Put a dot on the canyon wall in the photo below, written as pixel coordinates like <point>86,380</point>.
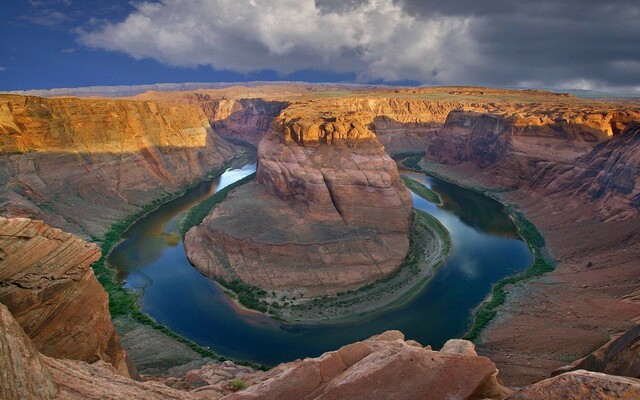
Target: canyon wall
<point>328,211</point>
<point>574,174</point>
<point>47,284</point>
<point>586,156</point>
<point>84,164</point>
<point>247,120</point>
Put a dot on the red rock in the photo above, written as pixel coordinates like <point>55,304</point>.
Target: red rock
<point>47,283</point>
<point>581,385</point>
<point>392,369</point>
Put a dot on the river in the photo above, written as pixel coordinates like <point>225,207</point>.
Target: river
<point>485,249</point>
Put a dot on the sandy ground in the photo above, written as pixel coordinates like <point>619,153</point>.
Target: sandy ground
<point>593,294</point>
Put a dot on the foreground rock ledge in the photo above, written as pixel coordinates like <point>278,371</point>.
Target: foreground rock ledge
<point>47,283</point>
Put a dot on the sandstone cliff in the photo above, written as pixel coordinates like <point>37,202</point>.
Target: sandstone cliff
<point>27,374</point>
<point>83,164</point>
<point>328,211</point>
<point>581,157</point>
<point>48,285</point>
<point>247,120</point>
<point>607,175</point>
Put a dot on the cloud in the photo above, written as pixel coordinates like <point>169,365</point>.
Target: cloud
<point>375,39</point>
<point>2,69</point>
<point>47,17</point>
<point>588,43</point>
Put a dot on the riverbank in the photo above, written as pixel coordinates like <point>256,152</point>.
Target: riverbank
<point>124,304</point>
<point>550,320</point>
<point>542,262</point>
<point>430,244</point>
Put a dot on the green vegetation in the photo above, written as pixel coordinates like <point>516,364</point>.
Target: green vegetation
<point>123,303</point>
<point>249,296</point>
<point>237,384</point>
<point>412,163</point>
<point>542,263</point>
<point>198,213</point>
<point>422,191</point>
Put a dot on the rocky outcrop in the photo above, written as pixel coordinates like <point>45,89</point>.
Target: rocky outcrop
<point>83,164</point>
<point>48,285</point>
<point>579,385</point>
<point>607,176</point>
<point>382,367</point>
<point>471,136</point>
<point>247,120</point>
<point>328,212</point>
<point>619,356</point>
<point>23,374</point>
<point>549,155</point>
<point>27,374</point>
<point>334,169</point>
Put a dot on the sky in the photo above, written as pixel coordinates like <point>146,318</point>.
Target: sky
<point>561,44</point>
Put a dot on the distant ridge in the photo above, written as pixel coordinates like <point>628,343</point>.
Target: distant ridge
<point>132,90</point>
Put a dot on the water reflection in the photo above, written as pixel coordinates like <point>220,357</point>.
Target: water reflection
<point>483,251</point>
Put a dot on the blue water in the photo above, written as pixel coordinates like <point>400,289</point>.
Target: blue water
<point>485,248</point>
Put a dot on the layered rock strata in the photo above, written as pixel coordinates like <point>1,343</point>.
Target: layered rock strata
<point>247,120</point>
<point>27,374</point>
<point>48,285</point>
<point>327,213</point>
<point>582,193</point>
<point>83,164</point>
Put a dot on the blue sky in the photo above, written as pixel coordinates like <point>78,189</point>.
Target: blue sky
<point>40,50</point>
<point>580,44</point>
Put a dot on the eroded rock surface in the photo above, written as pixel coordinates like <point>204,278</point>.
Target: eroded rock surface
<point>23,374</point>
<point>382,367</point>
<point>619,356</point>
<point>48,285</point>
<point>82,164</point>
<point>328,212</point>
<point>579,385</point>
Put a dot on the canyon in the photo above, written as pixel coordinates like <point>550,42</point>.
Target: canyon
<point>328,197</point>
<point>327,212</point>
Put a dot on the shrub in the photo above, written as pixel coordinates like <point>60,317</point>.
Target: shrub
<point>237,384</point>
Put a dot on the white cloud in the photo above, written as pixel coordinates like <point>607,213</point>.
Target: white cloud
<point>376,39</point>
<point>2,69</point>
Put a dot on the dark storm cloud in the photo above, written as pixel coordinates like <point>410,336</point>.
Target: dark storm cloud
<point>555,43</point>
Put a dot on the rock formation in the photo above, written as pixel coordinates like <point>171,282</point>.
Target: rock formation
<point>619,356</point>
<point>247,120</point>
<point>84,164</point>
<point>579,385</point>
<point>48,285</point>
<point>382,367</point>
<point>606,176</point>
<point>328,212</point>
<point>27,374</point>
<point>573,170</point>
<point>24,374</point>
